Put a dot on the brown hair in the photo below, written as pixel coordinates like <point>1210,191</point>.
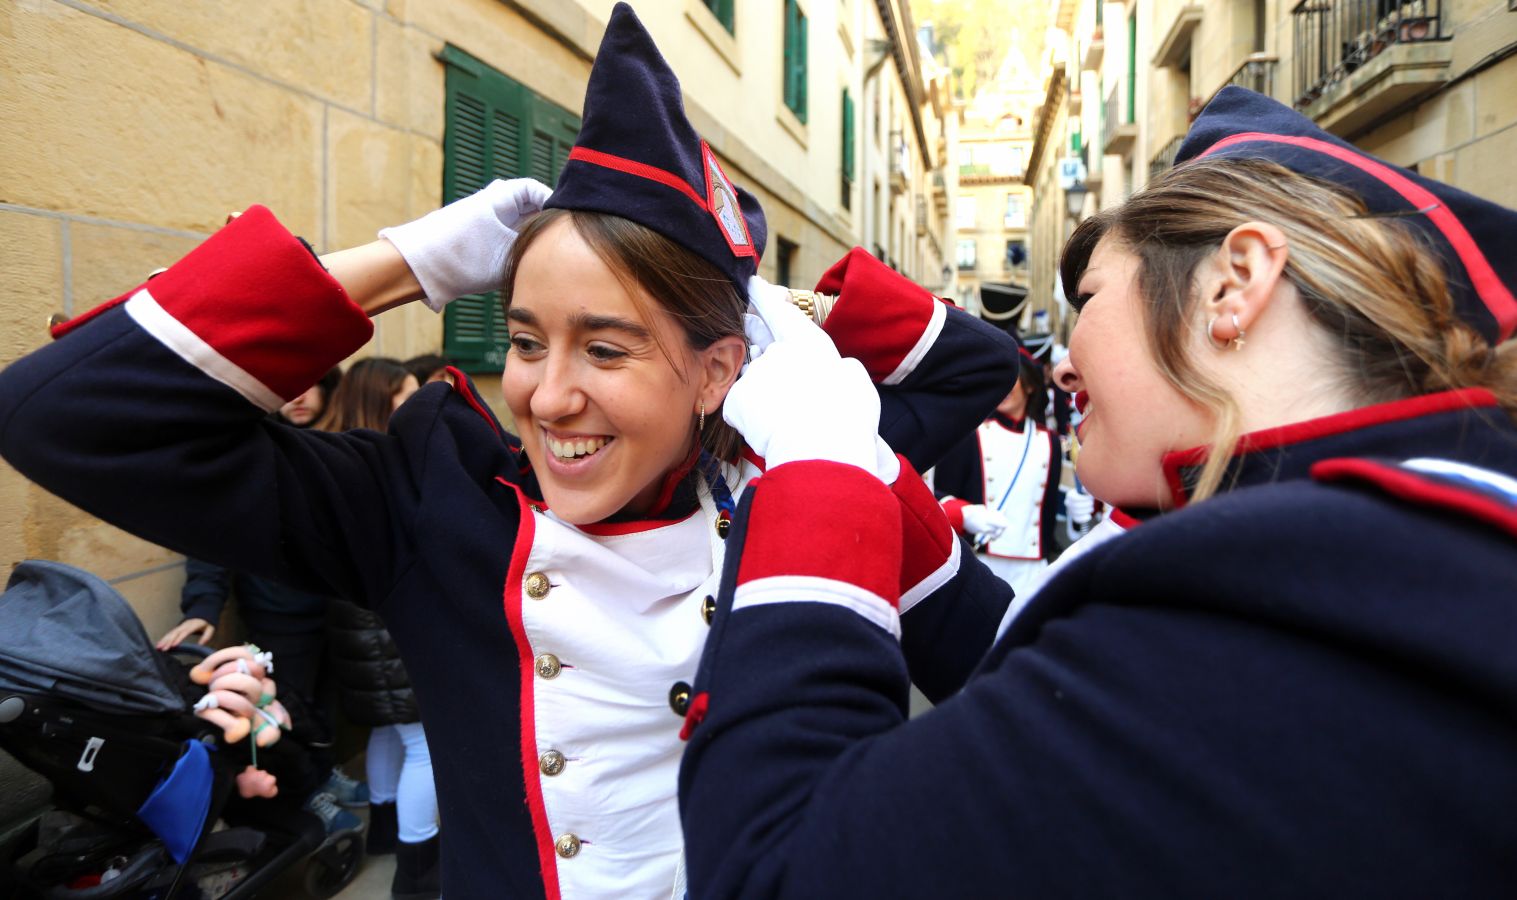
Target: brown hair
<point>707,305</point>
<point>1373,284</point>
<point>365,397</point>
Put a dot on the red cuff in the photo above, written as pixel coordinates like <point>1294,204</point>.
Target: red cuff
<point>953,508</point>
<point>881,318</point>
<point>824,520</point>
<point>250,307</point>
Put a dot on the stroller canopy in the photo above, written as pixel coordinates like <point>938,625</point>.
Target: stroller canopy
<point>68,634</point>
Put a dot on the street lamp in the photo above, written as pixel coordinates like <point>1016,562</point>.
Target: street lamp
<point>1074,196</point>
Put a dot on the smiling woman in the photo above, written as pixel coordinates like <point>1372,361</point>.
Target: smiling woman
<point>549,592</point>
<point>1292,679</point>
<point>622,342</point>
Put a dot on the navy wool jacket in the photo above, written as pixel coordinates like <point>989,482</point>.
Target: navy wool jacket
<point>150,412</point>
<point>1303,687</point>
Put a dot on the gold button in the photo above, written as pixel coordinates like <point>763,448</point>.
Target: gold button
<point>723,525</point>
<point>56,319</point>
<point>567,846</point>
<point>548,666</point>
<point>538,586</point>
<point>679,698</point>
<point>708,608</point>
<point>551,762</point>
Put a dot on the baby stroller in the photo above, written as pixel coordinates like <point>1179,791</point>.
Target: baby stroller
<point>138,780</point>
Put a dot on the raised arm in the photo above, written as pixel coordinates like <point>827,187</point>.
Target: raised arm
<point>940,371</point>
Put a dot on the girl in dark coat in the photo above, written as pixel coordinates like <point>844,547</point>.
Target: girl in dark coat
<point>1295,679</point>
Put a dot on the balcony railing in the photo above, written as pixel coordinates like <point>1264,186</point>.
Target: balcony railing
<point>1333,38</point>
<point>1164,160</point>
<point>1118,129</point>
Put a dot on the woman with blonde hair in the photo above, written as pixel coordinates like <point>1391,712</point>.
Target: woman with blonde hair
<point>1294,678</point>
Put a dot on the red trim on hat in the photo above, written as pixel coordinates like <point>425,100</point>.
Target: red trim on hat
<point>1488,285</point>
<point>1420,489</point>
<point>641,170</point>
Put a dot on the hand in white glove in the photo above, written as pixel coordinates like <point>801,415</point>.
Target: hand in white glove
<point>1079,506</point>
<point>775,318</point>
<point>800,400</point>
<point>461,248</point>
<point>984,522</point>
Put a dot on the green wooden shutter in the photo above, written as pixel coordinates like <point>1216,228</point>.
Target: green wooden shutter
<point>722,9</point>
<point>847,150</point>
<point>495,128</point>
<point>795,60</point>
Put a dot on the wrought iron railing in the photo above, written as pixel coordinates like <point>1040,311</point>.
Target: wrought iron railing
<point>1335,37</point>
<point>1164,160</point>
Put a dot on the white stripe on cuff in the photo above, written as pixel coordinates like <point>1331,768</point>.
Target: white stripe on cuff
<point>812,589</point>
<point>924,343</point>
<point>939,577</point>
<point>190,347</point>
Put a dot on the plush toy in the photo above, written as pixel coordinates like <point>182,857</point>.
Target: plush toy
<point>240,699</point>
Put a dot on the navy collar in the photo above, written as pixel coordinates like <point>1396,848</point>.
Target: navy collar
<point>1449,424</point>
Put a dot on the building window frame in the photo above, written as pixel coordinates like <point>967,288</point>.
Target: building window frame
<point>794,59</point>
<point>848,150</point>
<point>494,127</point>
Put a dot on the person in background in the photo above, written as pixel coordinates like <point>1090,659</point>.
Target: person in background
<point>371,680</point>
<point>430,367</point>
<point>309,405</point>
<point>287,622</point>
<point>1000,485</point>
<point>1295,679</point>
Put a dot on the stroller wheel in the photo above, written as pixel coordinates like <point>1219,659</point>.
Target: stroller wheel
<point>335,865</point>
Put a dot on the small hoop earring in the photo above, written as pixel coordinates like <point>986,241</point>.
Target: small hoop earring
<point>701,424</point>
<point>1236,343</point>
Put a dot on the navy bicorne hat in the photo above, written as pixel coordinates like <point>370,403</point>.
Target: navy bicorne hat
<point>1475,237</point>
<point>638,157</point>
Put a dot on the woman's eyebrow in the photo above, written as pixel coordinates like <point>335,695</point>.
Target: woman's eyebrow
<point>586,322</point>
<point>589,322</point>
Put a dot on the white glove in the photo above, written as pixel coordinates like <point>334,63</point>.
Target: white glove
<point>1079,506</point>
<point>800,400</point>
<point>984,522</point>
<point>773,316</point>
<point>461,248</point>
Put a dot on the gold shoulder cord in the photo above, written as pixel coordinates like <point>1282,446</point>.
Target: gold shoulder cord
<point>817,306</point>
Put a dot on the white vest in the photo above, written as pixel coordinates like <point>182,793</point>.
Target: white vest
<point>1016,476</point>
<point>620,623</point>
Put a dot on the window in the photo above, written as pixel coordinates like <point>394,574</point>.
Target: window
<point>795,59</point>
<point>1016,254</point>
<point>847,150</point>
<point>1016,216</point>
<point>963,212</point>
<point>722,9</point>
<point>966,253</point>
<point>495,128</point>
<point>784,261</point>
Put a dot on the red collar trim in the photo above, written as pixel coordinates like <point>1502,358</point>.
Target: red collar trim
<point>1488,285</point>
<point>1339,423</point>
<point>671,481</point>
<point>754,458</point>
<point>611,529</point>
<point>1127,522</point>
